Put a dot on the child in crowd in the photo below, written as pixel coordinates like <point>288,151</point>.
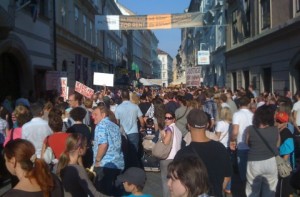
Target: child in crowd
<point>133,181</point>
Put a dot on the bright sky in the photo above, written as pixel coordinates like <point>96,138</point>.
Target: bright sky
<point>169,39</point>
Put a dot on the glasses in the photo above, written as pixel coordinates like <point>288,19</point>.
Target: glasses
<point>169,118</point>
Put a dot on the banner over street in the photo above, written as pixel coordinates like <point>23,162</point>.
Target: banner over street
<point>140,22</point>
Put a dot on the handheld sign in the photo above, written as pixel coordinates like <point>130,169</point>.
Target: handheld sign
<point>104,79</point>
<point>83,89</point>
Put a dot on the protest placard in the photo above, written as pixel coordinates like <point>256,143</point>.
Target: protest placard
<point>83,89</point>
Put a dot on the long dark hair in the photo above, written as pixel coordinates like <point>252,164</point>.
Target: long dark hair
<point>159,112</point>
<point>264,115</point>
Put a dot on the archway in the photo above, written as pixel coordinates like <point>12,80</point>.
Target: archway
<point>15,69</point>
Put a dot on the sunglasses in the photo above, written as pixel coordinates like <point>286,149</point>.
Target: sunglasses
<point>169,118</point>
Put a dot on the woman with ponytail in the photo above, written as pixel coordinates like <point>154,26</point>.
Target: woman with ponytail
<point>74,177</point>
<point>34,176</point>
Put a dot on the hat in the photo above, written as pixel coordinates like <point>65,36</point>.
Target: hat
<point>133,175</point>
<point>282,117</point>
<point>197,118</point>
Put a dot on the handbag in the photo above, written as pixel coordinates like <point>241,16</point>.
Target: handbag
<point>48,154</point>
<point>284,168</point>
<point>161,150</point>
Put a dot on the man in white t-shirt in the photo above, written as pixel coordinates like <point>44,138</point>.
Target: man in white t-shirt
<point>37,129</point>
<point>240,121</point>
<point>296,112</point>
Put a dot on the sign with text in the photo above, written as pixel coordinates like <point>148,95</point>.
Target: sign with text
<point>83,89</point>
<point>64,88</point>
<point>103,79</point>
<point>140,22</point>
<point>193,76</point>
<point>203,58</point>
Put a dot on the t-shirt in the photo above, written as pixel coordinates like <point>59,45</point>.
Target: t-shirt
<point>216,159</point>
<point>57,142</point>
<point>223,128</point>
<point>243,118</point>
<point>56,192</point>
<point>258,150</point>
<point>77,183</point>
<point>296,108</point>
<point>82,129</point>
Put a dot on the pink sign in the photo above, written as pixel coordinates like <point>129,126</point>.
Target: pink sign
<point>83,89</point>
<point>64,88</point>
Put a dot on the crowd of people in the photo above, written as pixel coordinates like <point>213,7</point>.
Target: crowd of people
<point>94,146</point>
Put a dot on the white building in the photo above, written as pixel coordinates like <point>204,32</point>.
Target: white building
<point>166,67</point>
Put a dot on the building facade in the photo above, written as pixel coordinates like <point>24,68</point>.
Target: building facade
<point>263,45</point>
<point>26,47</point>
<point>210,38</point>
<point>81,49</point>
<point>166,67</point>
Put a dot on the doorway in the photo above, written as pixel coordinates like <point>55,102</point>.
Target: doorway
<point>267,79</point>
<point>9,76</point>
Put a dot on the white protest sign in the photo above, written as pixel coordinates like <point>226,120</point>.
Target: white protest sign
<point>104,79</point>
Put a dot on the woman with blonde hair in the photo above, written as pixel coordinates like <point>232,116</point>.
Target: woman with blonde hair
<point>74,177</point>
<point>33,173</point>
<point>222,132</point>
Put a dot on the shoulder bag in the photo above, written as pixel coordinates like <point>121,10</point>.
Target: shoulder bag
<point>161,150</point>
<point>48,154</point>
<point>284,168</point>
<point>183,114</point>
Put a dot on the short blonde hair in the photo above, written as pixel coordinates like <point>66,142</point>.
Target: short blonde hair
<point>134,98</point>
<point>226,114</point>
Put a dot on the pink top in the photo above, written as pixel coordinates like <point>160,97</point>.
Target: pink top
<point>16,135</point>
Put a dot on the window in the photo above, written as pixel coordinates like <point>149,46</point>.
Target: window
<point>63,12</point>
<point>265,14</point>
<point>297,6</point>
<point>234,27</point>
<point>91,32</point>
<point>76,18</point>
<point>84,27</point>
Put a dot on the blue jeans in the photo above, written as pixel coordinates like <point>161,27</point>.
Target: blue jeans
<point>133,140</point>
<point>242,158</point>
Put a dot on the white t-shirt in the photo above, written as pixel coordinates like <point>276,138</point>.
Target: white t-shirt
<point>243,118</point>
<point>177,137</point>
<point>296,108</point>
<point>223,127</point>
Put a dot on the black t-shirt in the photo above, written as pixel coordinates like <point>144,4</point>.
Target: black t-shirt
<point>144,107</point>
<point>216,159</point>
<point>82,129</point>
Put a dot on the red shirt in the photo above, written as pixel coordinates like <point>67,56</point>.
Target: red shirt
<point>57,142</point>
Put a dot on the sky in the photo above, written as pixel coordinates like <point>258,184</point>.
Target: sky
<point>169,39</point>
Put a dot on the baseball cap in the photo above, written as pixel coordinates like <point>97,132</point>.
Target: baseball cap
<point>197,118</point>
<point>133,175</point>
<point>282,117</point>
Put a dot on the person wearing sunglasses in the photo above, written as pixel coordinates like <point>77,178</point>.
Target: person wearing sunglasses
<point>170,134</point>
